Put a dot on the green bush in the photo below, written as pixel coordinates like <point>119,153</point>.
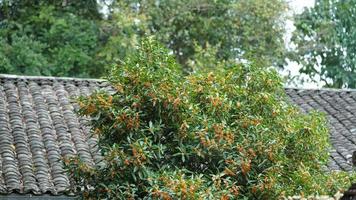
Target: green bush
<point>227,134</point>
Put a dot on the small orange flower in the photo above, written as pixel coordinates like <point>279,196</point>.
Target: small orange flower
<point>224,197</point>
<point>147,84</point>
<point>251,152</point>
<point>119,88</point>
<point>228,172</point>
<point>90,109</point>
<point>270,155</point>
<point>245,167</point>
<point>210,76</point>
<point>161,195</point>
<point>245,124</point>
<point>199,89</point>
<point>176,102</point>
<point>256,122</point>
<point>254,189</point>
<point>127,162</point>
<point>110,100</point>
<point>235,190</point>
<point>215,101</point>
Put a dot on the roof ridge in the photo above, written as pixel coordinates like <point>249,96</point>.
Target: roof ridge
<point>11,76</point>
<point>324,89</point>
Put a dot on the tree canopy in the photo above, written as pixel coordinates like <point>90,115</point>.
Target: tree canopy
<point>49,38</point>
<point>78,38</point>
<point>325,42</point>
<point>239,29</point>
<point>207,135</point>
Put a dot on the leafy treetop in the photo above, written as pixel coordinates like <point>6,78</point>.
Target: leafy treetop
<point>225,134</point>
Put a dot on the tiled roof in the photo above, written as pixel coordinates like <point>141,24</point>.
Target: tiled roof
<point>340,108</point>
<point>38,127</point>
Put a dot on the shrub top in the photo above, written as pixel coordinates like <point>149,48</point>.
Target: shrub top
<point>225,134</point>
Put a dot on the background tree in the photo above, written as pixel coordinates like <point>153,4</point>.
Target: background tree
<point>79,38</point>
<point>325,42</point>
<point>237,29</point>
<point>57,38</point>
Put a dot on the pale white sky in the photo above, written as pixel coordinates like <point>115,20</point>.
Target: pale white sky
<point>298,5</point>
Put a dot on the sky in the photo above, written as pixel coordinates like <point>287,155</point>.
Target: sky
<point>298,5</point>
<point>292,68</point>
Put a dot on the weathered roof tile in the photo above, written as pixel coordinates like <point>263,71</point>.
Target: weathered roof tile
<point>339,107</point>
<point>38,127</point>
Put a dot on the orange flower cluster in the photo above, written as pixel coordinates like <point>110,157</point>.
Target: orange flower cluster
<point>138,156</point>
<point>223,136</point>
<point>245,167</point>
<point>185,188</point>
<point>129,122</point>
<point>158,194</point>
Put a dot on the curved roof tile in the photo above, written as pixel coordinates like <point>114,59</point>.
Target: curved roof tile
<point>39,127</point>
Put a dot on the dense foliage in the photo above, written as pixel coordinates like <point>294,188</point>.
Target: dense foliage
<point>238,29</point>
<point>78,38</point>
<point>49,38</point>
<point>227,134</point>
<point>324,39</point>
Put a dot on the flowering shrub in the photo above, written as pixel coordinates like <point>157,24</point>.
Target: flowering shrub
<point>227,134</point>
